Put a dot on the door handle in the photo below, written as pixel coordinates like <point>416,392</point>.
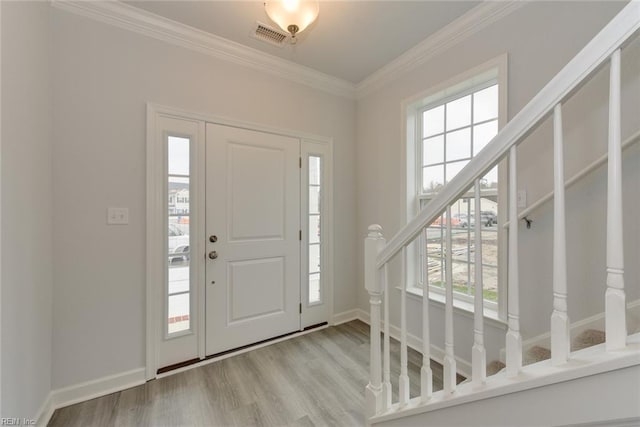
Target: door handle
<point>213,255</point>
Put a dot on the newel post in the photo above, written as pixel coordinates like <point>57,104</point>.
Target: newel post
<point>372,246</point>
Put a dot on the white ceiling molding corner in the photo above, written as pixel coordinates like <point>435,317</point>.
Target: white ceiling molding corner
<point>152,25</point>
<point>478,18</point>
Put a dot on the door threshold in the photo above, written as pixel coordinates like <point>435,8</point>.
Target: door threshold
<point>259,344</point>
<point>196,363</point>
<point>178,365</point>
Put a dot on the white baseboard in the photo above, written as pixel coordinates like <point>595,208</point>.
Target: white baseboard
<point>576,328</point>
<point>463,367</point>
<point>111,384</point>
<point>46,411</point>
<point>628,422</point>
<point>88,390</point>
<point>347,316</point>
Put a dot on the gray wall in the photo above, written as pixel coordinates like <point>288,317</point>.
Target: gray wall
<point>534,57</point>
<point>26,209</point>
<point>102,78</point>
<point>73,143</point>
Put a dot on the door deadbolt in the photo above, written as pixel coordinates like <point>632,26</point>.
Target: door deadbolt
<point>213,238</point>
<point>213,255</point>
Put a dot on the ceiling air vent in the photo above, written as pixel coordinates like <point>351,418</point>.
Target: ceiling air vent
<point>269,34</point>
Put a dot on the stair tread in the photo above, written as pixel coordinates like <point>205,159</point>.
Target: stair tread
<point>588,338</point>
<point>536,354</point>
<point>494,367</point>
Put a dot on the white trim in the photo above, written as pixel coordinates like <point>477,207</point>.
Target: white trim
<point>1,412</point>
<point>587,61</point>
<point>154,274</point>
<point>151,25</point>
<point>88,390</point>
<point>590,361</point>
<point>463,367</point>
<point>45,412</point>
<point>182,345</point>
<point>596,322</point>
<point>155,195</point>
<point>460,307</point>
<point>238,352</point>
<point>348,316</point>
<point>493,69</point>
<point>410,106</point>
<point>627,422</point>
<point>477,19</point>
<point>179,113</point>
<point>325,151</point>
<point>200,287</point>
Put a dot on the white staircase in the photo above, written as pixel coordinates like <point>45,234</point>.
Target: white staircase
<point>597,366</point>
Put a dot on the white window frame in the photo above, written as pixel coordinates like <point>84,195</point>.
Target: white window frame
<point>161,344</point>
<point>494,71</point>
<point>321,311</point>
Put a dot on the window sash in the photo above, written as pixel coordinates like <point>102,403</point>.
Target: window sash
<point>424,196</point>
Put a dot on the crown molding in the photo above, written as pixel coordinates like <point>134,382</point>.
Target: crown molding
<point>149,24</point>
<point>475,20</point>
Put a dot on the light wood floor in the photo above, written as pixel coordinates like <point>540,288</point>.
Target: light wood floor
<point>312,380</point>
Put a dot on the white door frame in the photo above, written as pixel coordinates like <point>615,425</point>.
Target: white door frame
<point>155,218</point>
<point>0,206</point>
<point>310,314</point>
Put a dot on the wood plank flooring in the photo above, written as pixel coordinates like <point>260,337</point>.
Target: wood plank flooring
<point>313,380</point>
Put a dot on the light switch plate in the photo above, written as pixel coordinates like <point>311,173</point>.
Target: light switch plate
<point>117,216</point>
<point>522,198</point>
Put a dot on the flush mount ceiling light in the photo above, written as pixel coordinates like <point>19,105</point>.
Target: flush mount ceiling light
<point>292,15</point>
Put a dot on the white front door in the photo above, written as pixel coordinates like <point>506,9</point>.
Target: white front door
<point>253,237</point>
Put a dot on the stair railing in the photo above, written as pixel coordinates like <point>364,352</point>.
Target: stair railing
<point>604,47</point>
<point>575,178</point>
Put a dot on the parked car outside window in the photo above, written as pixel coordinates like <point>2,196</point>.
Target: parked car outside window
<point>488,219</point>
<point>178,244</point>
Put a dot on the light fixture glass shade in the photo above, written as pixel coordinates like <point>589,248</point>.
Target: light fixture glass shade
<point>292,15</point>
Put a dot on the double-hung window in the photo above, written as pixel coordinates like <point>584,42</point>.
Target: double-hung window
<point>450,128</point>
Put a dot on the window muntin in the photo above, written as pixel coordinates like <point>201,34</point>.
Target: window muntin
<point>463,250</point>
<point>452,132</point>
<point>178,297</point>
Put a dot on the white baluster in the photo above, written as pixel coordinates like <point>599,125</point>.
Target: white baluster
<point>426,375</point>
<point>513,339</point>
<point>615,307</point>
<point>403,383</point>
<point>386,368</point>
<point>372,245</point>
<point>449,366</point>
<point>478,352</point>
<point>560,340</point>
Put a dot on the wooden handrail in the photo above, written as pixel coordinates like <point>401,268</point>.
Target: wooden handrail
<point>586,62</point>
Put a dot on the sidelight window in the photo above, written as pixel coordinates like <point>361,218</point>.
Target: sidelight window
<point>315,235</point>
<point>178,235</point>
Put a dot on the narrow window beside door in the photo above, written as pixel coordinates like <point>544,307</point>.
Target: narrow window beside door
<point>315,243</point>
<point>178,243</point>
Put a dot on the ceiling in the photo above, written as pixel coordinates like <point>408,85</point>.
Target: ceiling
<point>350,39</point>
